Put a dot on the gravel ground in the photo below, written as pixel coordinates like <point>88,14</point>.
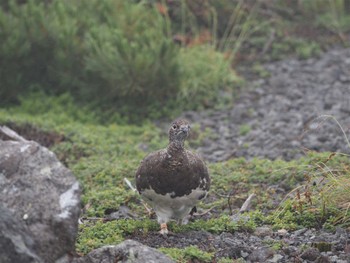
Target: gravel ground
<point>264,245</point>
<point>285,115</point>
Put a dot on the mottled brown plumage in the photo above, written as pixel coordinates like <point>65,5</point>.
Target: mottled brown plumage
<point>173,180</point>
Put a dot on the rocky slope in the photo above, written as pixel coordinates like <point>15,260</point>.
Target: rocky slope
<point>295,110</point>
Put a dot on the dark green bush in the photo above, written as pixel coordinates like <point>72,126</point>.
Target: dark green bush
<point>110,54</point>
<point>130,58</point>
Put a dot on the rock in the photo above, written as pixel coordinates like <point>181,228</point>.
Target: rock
<point>123,212</point>
<point>276,258</point>
<point>127,251</point>
<point>299,232</point>
<point>310,254</point>
<point>322,259</point>
<point>41,197</point>
<point>15,242</point>
<point>261,255</point>
<point>282,232</point>
<point>263,231</point>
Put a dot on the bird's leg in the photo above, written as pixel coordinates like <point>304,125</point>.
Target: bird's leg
<point>148,209</point>
<point>163,229</point>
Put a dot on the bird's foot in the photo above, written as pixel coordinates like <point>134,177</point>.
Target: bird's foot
<point>164,229</point>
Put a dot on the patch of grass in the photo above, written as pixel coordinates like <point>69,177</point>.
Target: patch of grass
<point>230,260</point>
<point>244,129</point>
<point>275,245</point>
<point>197,136</point>
<point>260,70</point>
<point>188,254</point>
<point>323,200</point>
<point>204,71</point>
<point>293,45</point>
<point>101,233</point>
<point>333,15</point>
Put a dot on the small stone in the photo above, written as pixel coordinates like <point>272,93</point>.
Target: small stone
<point>263,231</point>
<point>300,232</point>
<point>310,254</point>
<point>323,246</point>
<point>322,259</point>
<point>261,254</point>
<point>282,232</point>
<point>276,258</point>
<point>127,251</point>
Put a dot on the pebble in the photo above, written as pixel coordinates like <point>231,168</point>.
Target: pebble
<point>263,231</point>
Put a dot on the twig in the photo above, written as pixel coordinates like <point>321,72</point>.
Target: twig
<point>204,212</point>
<point>12,134</point>
<point>246,205</point>
<point>149,210</point>
<point>130,185</point>
<point>269,42</point>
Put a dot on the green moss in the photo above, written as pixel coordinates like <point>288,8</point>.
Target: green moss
<point>188,254</point>
<point>274,244</point>
<point>197,136</point>
<point>95,235</point>
<point>260,70</point>
<point>244,129</point>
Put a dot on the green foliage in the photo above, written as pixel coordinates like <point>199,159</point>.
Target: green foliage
<point>302,48</point>
<point>111,55</point>
<point>110,233</point>
<point>244,129</point>
<point>204,71</point>
<point>131,60</point>
<point>322,200</point>
<point>333,15</point>
<point>230,260</point>
<point>188,254</point>
<point>261,71</point>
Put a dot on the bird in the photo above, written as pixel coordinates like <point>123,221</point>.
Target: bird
<point>173,180</point>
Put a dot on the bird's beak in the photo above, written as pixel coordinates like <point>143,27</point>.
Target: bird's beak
<point>185,128</point>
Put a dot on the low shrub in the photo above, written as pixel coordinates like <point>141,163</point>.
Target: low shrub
<point>109,54</point>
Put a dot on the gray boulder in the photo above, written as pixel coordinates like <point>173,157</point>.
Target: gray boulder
<point>128,251</point>
<point>15,242</point>
<point>40,201</point>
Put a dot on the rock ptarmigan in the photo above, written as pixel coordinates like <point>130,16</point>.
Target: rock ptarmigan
<point>173,180</point>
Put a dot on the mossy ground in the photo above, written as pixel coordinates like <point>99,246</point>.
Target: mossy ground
<point>101,156</point>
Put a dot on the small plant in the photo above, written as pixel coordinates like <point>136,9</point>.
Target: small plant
<point>333,15</point>
<point>244,129</point>
<point>115,56</point>
<point>323,200</point>
<point>96,234</point>
<point>188,254</point>
<point>204,71</point>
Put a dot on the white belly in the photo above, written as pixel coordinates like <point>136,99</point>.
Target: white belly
<point>167,207</point>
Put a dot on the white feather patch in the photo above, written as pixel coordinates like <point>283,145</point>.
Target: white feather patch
<point>168,207</point>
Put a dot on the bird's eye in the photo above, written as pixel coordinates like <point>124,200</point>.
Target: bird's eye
<point>174,126</point>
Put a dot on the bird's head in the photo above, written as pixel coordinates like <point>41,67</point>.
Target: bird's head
<point>179,131</point>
